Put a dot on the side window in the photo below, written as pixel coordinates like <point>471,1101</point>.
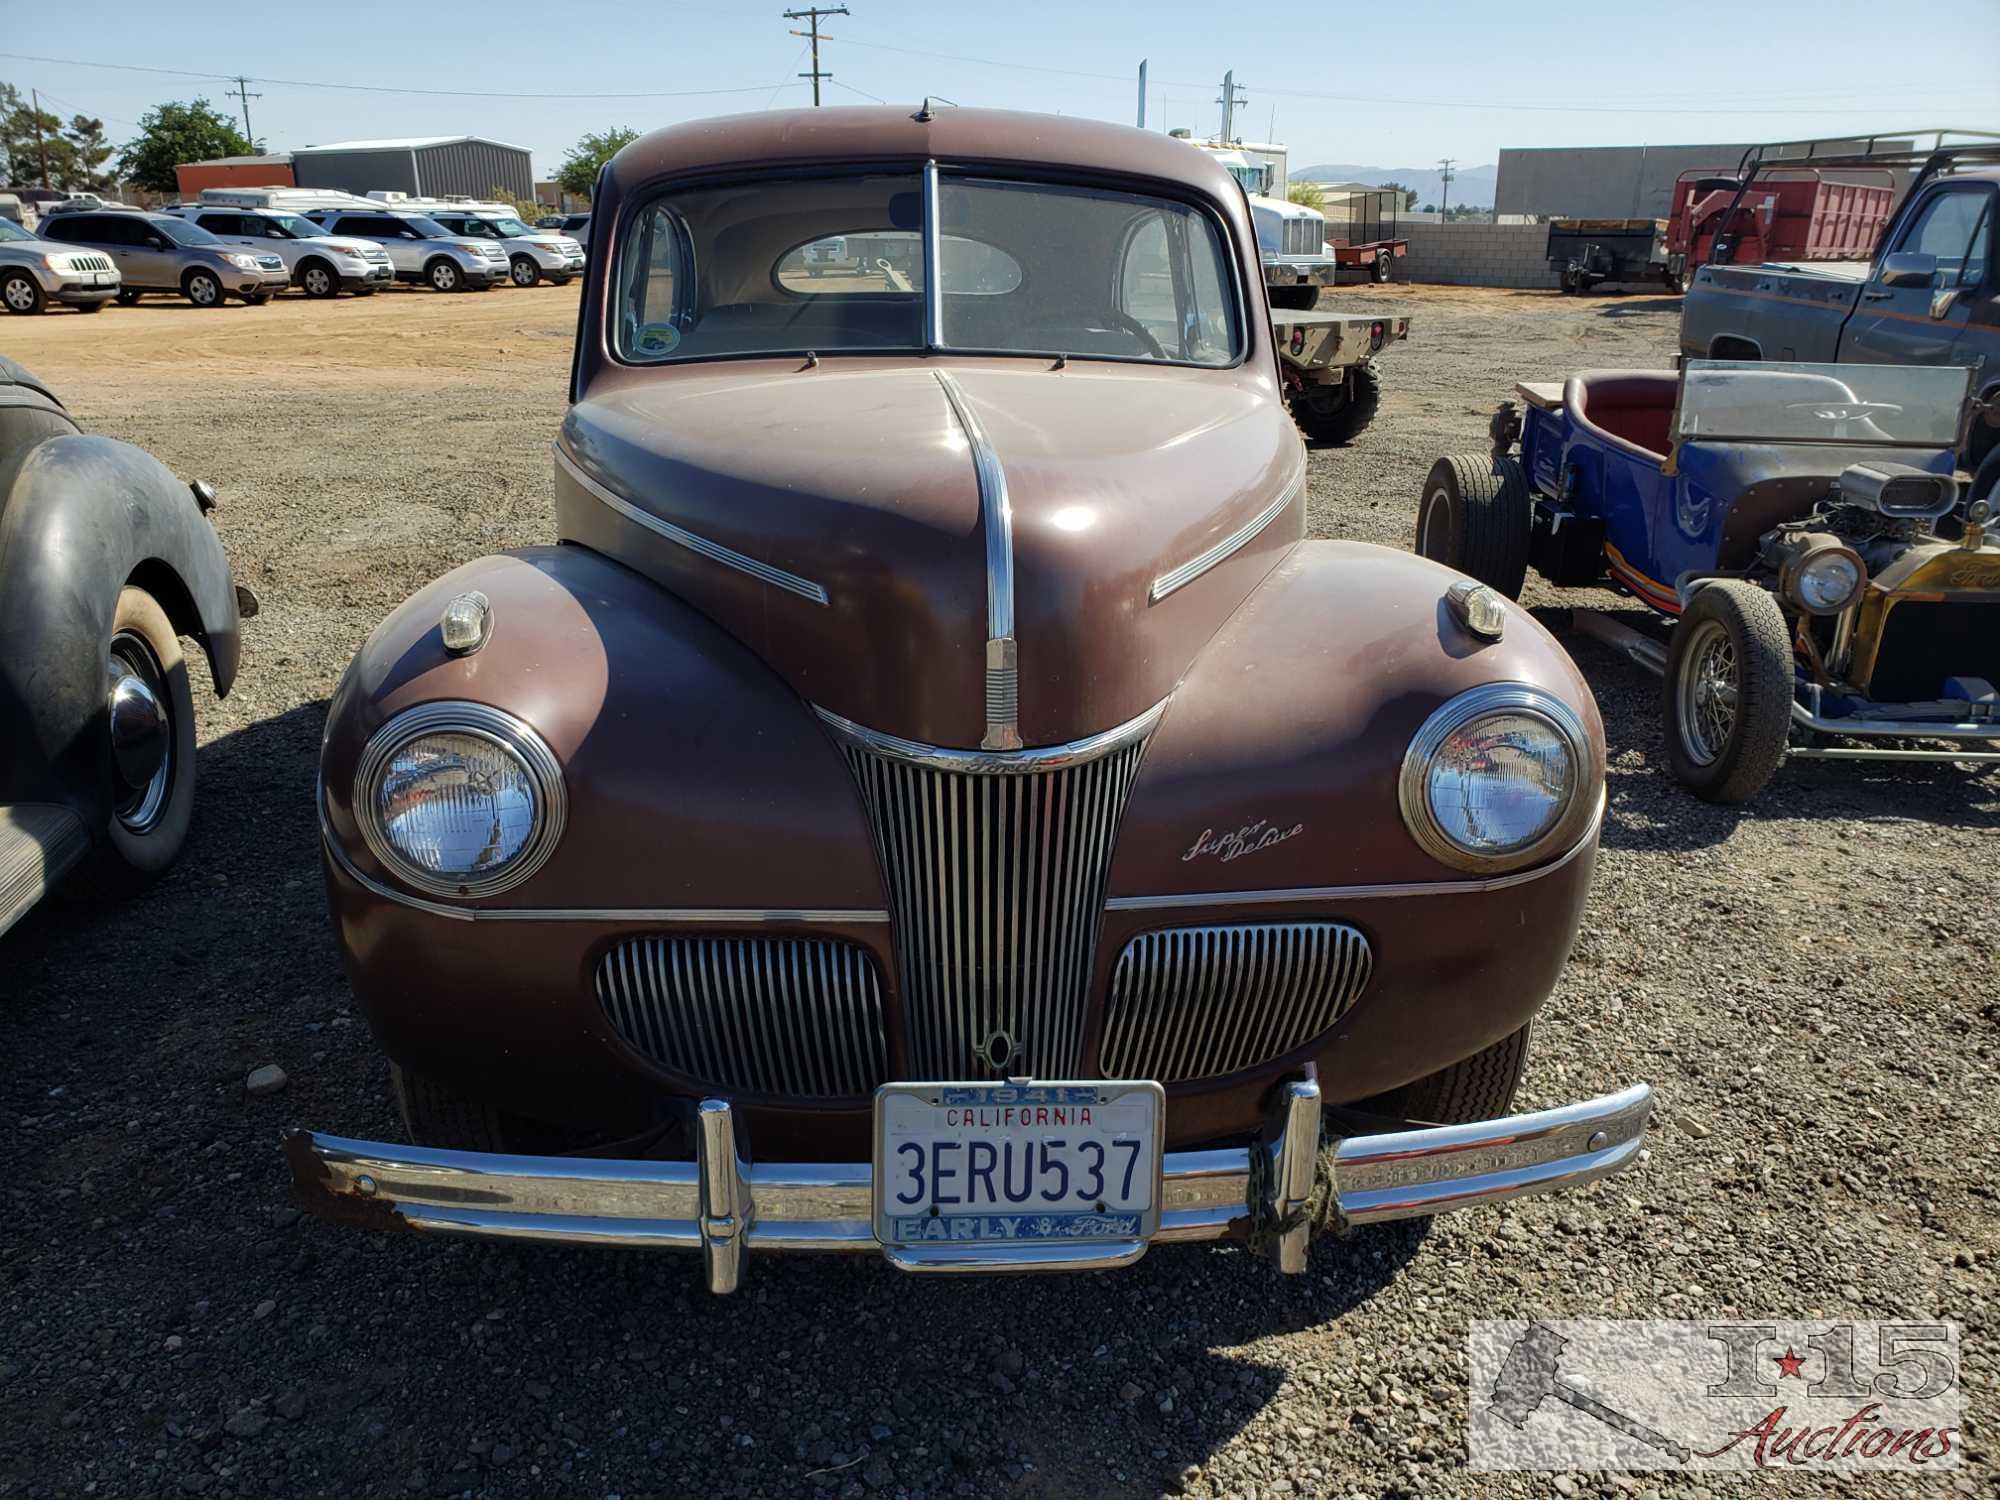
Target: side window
<point>221,223</point>
<point>1946,228</point>
<point>652,328</point>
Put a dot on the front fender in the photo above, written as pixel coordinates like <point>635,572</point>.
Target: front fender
<point>1297,714</point>
<point>695,778</point>
<point>80,517</point>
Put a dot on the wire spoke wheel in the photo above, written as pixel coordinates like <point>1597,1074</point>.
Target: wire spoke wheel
<point>1709,690</point>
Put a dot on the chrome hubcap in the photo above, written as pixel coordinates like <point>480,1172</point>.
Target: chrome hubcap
<point>524,274</point>
<point>20,294</point>
<point>201,290</point>
<point>142,739</point>
<point>1708,692</point>
<point>316,281</point>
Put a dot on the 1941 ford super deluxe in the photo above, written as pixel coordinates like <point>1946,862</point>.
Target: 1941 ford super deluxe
<point>932,800</point>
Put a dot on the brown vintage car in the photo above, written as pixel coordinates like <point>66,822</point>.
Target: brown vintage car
<point>933,800</point>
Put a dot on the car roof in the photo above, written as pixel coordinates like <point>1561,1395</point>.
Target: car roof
<point>844,133</point>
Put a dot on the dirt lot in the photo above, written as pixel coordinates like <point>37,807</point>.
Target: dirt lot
<point>1811,984</point>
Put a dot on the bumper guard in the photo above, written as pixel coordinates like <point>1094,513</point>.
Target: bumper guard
<point>723,1206</point>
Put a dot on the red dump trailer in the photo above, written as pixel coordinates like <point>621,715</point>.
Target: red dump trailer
<point>1794,214</point>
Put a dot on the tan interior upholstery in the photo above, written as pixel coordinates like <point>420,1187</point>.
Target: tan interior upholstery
<point>1631,409</point>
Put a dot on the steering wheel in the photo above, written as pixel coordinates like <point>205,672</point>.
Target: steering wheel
<point>1845,411</point>
<point>1115,320</point>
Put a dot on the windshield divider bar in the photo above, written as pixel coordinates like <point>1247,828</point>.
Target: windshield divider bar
<point>933,303</point>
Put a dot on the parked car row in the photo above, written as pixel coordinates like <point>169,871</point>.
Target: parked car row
<point>230,246</point>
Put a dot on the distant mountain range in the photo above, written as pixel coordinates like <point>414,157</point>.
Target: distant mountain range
<point>1471,186</point>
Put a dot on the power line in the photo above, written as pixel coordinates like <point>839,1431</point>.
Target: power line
<point>853,90</point>
<point>376,88</point>
<point>811,18</point>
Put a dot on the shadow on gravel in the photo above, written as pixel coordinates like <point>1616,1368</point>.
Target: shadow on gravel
<point>1632,307</point>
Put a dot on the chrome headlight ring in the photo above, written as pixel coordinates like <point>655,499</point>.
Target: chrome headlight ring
<point>506,734</point>
<point>1516,699</point>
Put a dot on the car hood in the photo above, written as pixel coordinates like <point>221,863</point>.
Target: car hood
<point>345,246</point>
<point>553,241</point>
<point>855,480</point>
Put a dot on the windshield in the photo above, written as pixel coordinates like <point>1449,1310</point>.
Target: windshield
<point>9,230</point>
<point>510,228</point>
<point>1895,405</point>
<point>472,228</point>
<point>298,228</point>
<point>183,233</point>
<point>837,264</point>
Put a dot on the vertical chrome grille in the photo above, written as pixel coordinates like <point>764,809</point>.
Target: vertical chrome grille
<point>795,1016</point>
<point>1203,1002</point>
<point>996,868</point>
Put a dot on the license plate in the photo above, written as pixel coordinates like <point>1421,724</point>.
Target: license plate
<point>983,1163</point>
<point>101,278</point>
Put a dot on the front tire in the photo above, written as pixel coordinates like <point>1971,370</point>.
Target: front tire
<point>1476,516</point>
<point>22,293</point>
<point>150,814</point>
<point>1728,692</point>
<point>318,280</point>
<point>524,271</point>
<point>1479,1087</point>
<point>203,289</point>
<point>445,276</point>
<point>1339,414</point>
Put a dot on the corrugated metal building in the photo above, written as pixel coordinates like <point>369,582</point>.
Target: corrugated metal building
<point>430,166</point>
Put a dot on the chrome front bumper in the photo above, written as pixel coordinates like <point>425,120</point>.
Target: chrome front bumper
<point>723,1206</point>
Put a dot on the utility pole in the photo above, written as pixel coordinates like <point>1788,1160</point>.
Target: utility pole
<point>811,17</point>
<point>1444,193</point>
<point>42,146</point>
<point>1231,97</point>
<point>1142,93</point>
<point>242,92</point>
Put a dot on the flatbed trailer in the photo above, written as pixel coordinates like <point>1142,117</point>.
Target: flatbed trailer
<point>1362,233</point>
<point>1326,363</point>
<point>1586,252</point>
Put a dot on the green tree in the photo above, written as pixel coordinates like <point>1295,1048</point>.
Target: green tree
<point>87,151</point>
<point>171,134</point>
<point>1307,195</point>
<point>28,137</point>
<point>1409,194</point>
<point>579,169</point>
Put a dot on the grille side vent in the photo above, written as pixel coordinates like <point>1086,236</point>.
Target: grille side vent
<point>800,1017</point>
<point>1204,1002</point>
<point>996,884</point>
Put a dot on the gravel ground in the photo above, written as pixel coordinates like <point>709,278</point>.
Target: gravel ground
<point>1810,984</point>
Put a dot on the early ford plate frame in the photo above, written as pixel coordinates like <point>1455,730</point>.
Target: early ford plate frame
<point>1007,1240</point>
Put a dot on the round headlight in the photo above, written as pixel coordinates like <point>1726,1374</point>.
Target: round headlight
<point>1827,582</point>
<point>459,799</point>
<point>1491,777</point>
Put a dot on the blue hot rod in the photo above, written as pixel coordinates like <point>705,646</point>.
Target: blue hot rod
<point>1800,527</point>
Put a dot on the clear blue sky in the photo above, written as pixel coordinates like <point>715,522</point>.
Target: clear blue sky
<point>1418,80</point>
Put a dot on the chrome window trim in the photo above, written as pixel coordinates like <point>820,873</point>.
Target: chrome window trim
<point>680,916</point>
<point>1228,547</point>
<point>764,572</point>
<point>996,512</point>
<point>933,269</point>
<point>993,763</point>
<point>1412,790</point>
<point>1310,893</point>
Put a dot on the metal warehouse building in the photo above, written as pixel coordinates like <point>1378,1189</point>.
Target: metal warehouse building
<point>1621,182</point>
<point>431,166</point>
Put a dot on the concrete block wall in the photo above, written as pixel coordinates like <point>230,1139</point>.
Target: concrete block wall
<point>1477,255</point>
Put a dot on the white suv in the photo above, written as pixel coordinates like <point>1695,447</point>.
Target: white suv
<point>532,254</point>
<point>421,250</point>
<point>321,264</point>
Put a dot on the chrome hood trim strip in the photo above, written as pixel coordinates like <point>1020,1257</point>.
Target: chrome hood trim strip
<point>667,916</point>
<point>993,763</point>
<point>1364,892</point>
<point>805,588</point>
<point>996,513</point>
<point>1228,547</point>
